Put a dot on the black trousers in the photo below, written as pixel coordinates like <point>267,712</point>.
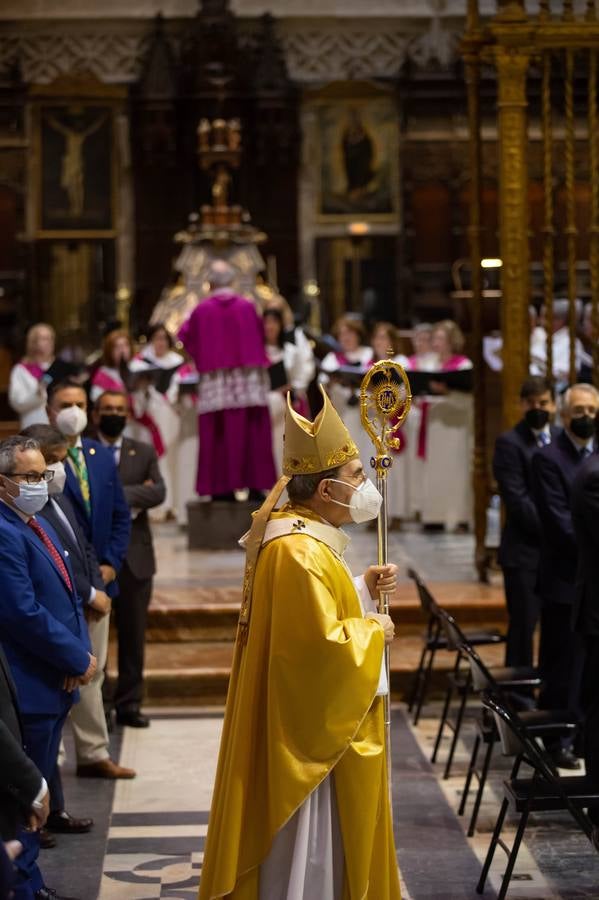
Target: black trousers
<point>524,607</point>
<point>131,615</point>
<point>561,660</point>
<point>590,709</point>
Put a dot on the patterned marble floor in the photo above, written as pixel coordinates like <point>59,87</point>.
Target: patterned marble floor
<point>155,833</point>
<point>148,839</point>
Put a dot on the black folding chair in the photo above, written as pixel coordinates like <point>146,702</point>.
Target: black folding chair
<point>459,682</point>
<point>434,640</point>
<point>538,723</point>
<point>545,791</point>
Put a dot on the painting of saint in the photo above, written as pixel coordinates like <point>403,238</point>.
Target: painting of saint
<point>358,159</point>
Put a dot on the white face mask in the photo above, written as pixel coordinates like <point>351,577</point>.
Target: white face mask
<point>56,486</point>
<point>71,421</point>
<point>365,502</point>
<point>31,497</point>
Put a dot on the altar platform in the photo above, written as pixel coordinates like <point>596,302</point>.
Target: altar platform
<point>197,594</point>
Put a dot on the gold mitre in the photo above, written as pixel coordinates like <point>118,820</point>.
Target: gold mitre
<point>316,446</point>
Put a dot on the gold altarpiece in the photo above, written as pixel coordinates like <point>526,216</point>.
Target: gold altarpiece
<point>557,45</point>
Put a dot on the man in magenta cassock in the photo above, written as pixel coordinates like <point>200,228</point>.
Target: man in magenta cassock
<point>225,338</point>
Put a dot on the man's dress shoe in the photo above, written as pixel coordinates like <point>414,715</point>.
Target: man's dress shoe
<point>63,823</point>
<point>105,768</point>
<point>133,719</point>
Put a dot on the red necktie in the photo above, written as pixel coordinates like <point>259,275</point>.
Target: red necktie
<point>58,560</point>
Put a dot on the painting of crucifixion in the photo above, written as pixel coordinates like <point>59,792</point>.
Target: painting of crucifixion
<point>76,169</point>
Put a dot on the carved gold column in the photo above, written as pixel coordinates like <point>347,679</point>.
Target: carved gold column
<point>548,226</point>
<point>471,47</point>
<point>512,60</point>
<point>571,230</point>
<point>594,231</point>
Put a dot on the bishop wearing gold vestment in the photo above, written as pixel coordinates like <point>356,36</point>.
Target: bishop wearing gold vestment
<point>301,808</point>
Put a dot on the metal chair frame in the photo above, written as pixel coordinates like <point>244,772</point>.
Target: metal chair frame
<point>433,640</point>
<point>538,723</point>
<point>463,683</point>
<point>517,742</point>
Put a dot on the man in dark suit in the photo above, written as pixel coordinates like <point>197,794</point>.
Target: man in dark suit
<point>94,489</point>
<point>554,468</point>
<point>520,546</point>
<point>44,635</point>
<point>585,619</point>
<point>144,489</point>
<point>24,796</point>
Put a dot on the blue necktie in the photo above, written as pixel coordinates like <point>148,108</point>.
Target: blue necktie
<point>544,439</point>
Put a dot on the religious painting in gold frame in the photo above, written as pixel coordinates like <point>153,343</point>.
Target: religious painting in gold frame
<point>76,169</point>
<point>358,165</point>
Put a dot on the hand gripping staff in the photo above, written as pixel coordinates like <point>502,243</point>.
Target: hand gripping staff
<point>385,401</point>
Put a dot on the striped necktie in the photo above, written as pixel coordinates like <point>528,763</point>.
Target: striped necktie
<point>52,550</point>
<point>78,459</point>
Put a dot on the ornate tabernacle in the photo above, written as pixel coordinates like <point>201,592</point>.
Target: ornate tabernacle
<point>221,230</point>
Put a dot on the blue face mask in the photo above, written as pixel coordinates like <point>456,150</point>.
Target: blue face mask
<point>31,497</point>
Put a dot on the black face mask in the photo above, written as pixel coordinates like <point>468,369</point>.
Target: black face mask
<point>112,426</point>
<point>536,418</point>
<point>583,427</point>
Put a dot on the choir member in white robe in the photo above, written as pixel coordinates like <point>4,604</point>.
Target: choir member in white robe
<point>160,353</point>
<point>183,396</point>
<point>423,359</point>
<point>27,388</point>
<point>447,485</point>
<point>344,392</point>
<point>560,343</point>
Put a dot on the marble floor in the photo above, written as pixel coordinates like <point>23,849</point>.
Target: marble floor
<point>438,556</point>
<point>149,833</point>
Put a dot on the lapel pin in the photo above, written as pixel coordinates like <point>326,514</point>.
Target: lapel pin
<point>131,452</point>
<point>66,552</point>
<point>92,451</point>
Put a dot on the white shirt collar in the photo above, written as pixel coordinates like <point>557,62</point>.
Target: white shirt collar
<point>539,431</point>
<point>590,444</point>
<point>118,443</point>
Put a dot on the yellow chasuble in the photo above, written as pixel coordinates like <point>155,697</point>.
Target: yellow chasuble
<point>302,705</point>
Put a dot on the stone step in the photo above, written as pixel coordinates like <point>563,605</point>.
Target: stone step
<point>210,614</point>
<point>194,672</point>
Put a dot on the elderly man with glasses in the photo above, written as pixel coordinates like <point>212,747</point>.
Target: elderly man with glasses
<point>42,627</point>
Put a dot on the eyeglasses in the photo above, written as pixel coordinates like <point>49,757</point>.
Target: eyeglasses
<point>33,477</point>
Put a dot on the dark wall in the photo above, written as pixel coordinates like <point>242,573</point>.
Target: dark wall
<point>211,77</point>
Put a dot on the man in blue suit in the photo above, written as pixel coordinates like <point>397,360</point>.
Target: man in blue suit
<point>59,512</point>
<point>94,489</point>
<point>520,546</point>
<point>554,468</point>
<point>44,635</point>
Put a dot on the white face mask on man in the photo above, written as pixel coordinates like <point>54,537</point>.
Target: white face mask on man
<point>56,486</point>
<point>365,502</point>
<point>71,421</point>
